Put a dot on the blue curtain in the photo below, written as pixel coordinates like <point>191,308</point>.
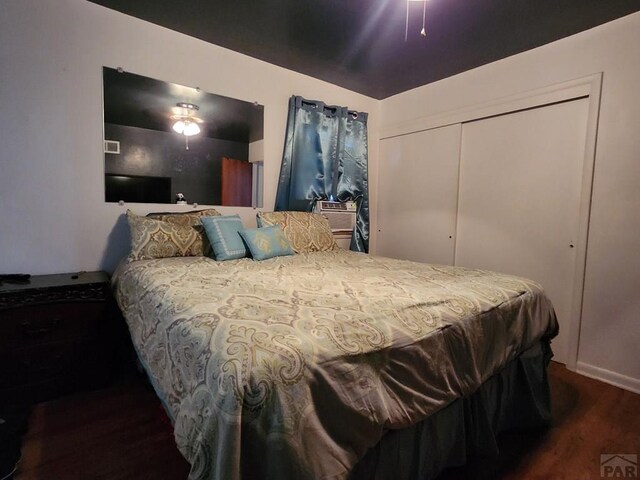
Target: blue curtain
<point>325,157</point>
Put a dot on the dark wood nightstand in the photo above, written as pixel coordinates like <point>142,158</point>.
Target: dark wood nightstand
<point>56,336</point>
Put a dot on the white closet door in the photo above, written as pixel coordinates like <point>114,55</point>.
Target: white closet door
<point>520,187</point>
<point>417,195</point>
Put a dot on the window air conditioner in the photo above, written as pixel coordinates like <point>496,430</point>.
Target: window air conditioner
<point>341,215</point>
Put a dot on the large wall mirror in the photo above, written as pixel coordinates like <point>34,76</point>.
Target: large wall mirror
<point>167,143</point>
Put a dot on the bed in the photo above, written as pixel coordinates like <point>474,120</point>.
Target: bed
<point>336,365</point>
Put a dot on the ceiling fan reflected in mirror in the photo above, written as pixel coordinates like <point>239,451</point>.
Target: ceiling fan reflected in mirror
<point>186,121</point>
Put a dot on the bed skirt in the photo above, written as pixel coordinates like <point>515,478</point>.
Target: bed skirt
<point>515,398</point>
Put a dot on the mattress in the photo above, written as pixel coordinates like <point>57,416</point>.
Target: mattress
<point>295,366</point>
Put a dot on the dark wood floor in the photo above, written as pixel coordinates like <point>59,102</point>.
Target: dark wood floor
<point>119,434</point>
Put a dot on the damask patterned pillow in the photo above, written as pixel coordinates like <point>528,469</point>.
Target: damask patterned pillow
<point>193,219</point>
<point>151,238</point>
<point>307,232</point>
<point>266,242</point>
<point>185,218</point>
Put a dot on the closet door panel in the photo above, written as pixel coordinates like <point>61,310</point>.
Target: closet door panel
<point>417,195</point>
<point>519,199</point>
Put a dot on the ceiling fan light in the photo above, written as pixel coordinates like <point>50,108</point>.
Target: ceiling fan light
<point>179,127</point>
<point>190,129</point>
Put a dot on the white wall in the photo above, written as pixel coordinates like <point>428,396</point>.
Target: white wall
<point>610,335</point>
<point>52,209</point>
<point>256,151</point>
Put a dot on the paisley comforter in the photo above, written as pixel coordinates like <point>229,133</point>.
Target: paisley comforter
<point>291,368</point>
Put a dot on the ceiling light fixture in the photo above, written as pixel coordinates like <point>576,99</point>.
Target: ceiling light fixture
<point>186,123</point>
<point>423,32</point>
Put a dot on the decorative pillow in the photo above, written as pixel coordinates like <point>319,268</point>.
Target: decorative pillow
<point>193,219</point>
<point>307,232</point>
<point>223,233</point>
<point>151,238</point>
<point>190,218</point>
<point>266,242</point>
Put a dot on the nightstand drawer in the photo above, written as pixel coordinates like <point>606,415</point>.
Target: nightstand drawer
<point>33,365</point>
<point>56,336</point>
<point>59,322</point>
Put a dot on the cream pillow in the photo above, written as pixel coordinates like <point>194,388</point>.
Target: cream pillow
<point>307,232</point>
<point>151,238</point>
<point>193,219</point>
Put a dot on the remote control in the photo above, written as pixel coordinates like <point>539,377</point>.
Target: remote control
<point>15,278</point>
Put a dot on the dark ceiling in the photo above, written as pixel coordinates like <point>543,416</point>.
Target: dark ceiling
<point>360,44</point>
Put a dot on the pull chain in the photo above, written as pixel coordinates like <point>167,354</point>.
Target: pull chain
<point>406,25</point>
<point>423,32</point>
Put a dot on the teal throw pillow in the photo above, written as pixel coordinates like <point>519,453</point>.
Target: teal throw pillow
<point>224,236</point>
<point>267,242</point>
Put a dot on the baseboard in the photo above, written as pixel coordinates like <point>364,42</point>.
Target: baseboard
<point>622,381</point>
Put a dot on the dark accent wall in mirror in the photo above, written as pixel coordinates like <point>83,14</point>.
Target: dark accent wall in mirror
<point>147,160</point>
